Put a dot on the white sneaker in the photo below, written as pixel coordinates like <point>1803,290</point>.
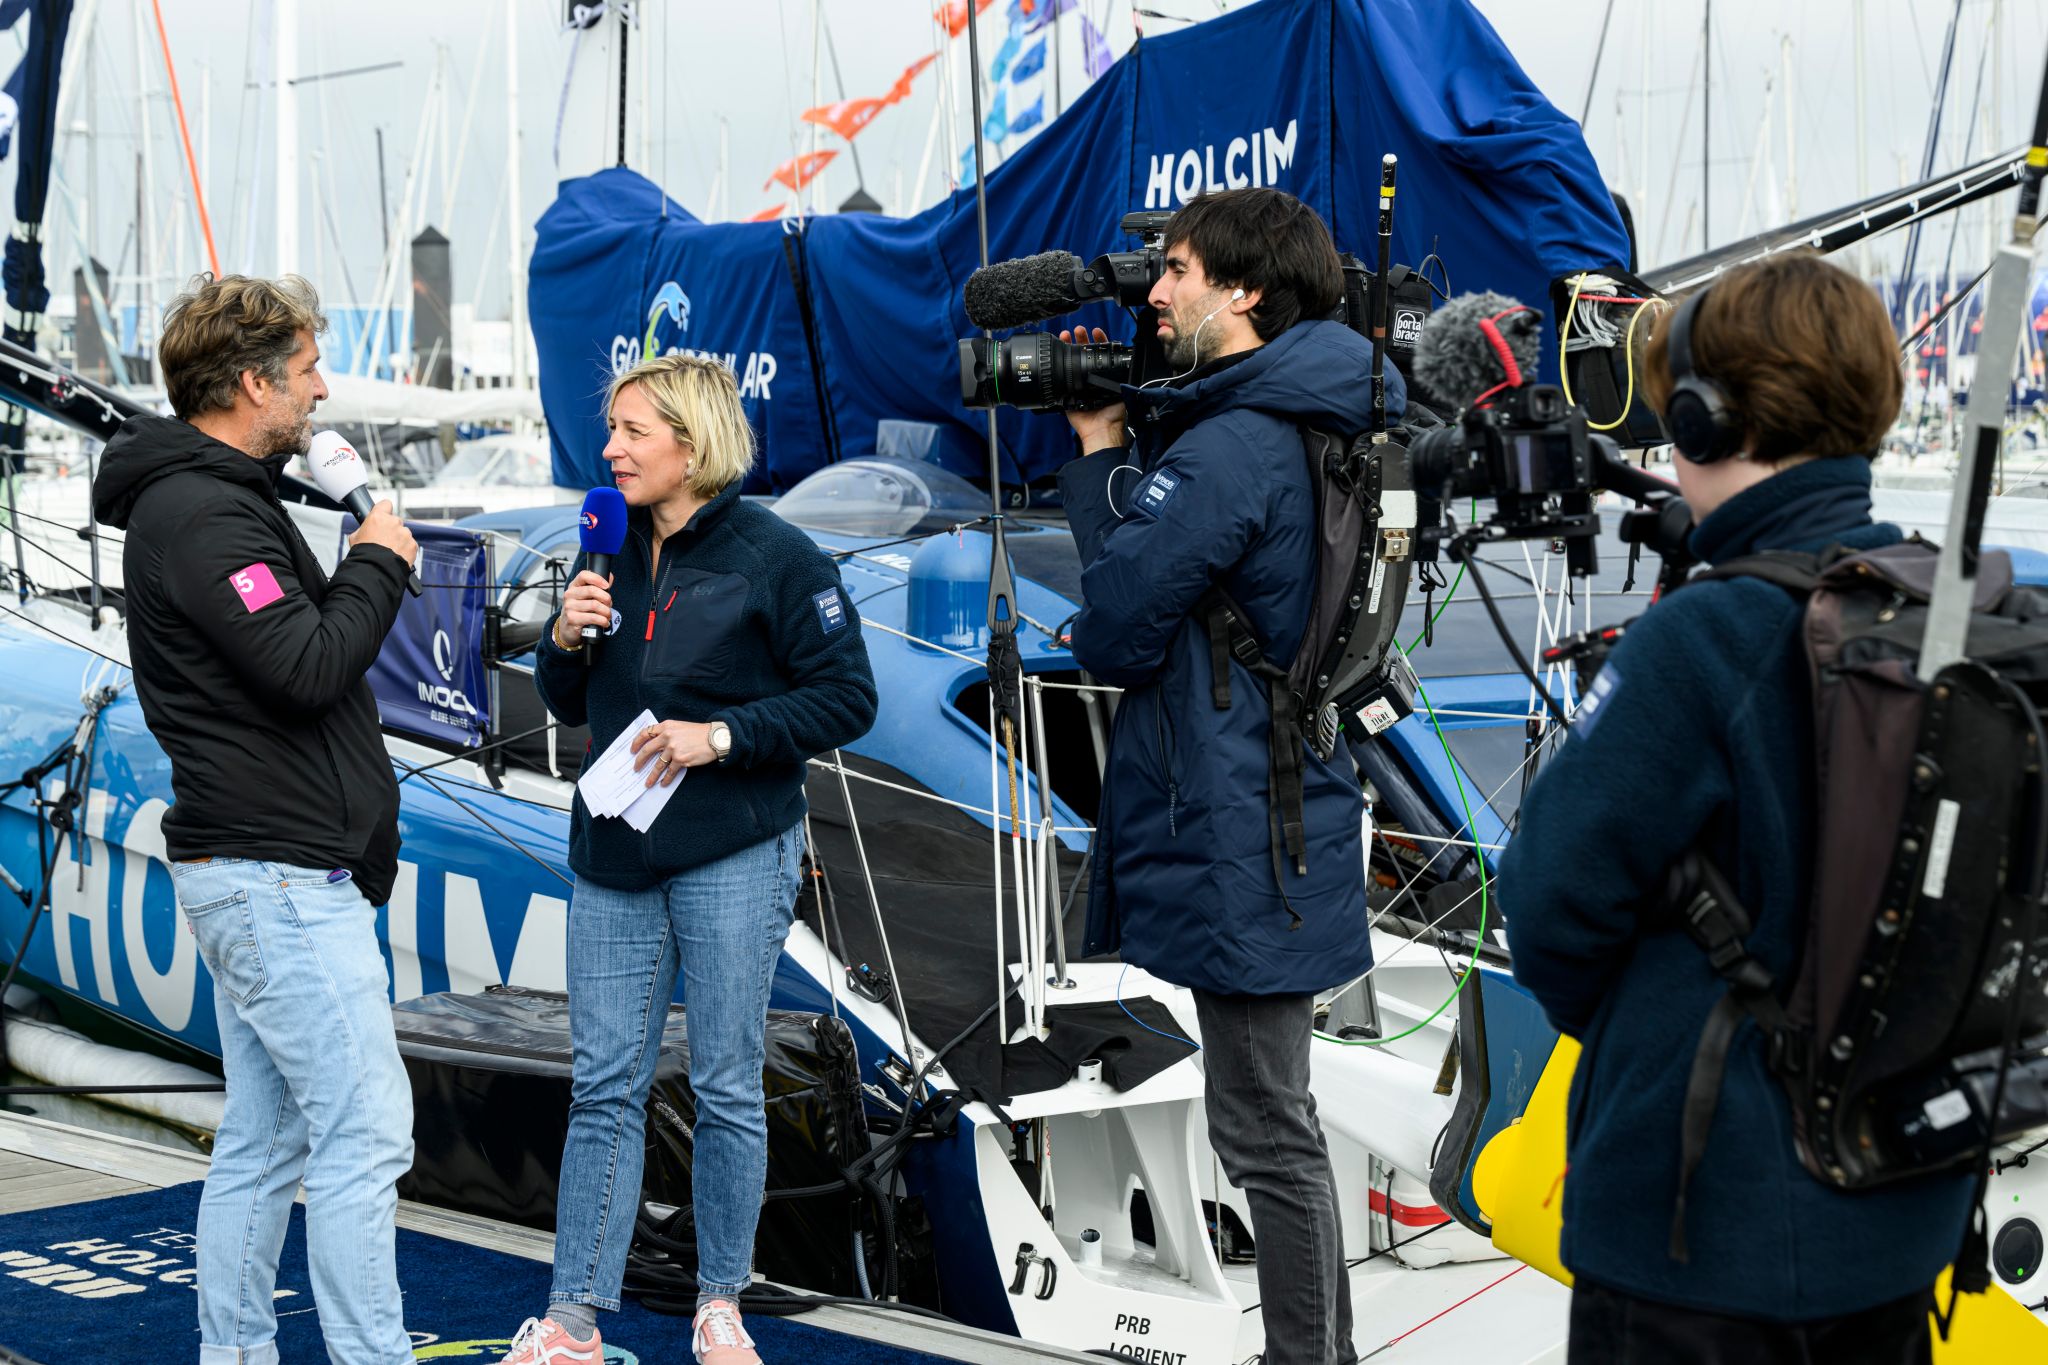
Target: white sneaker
<point>541,1341</point>
<point>718,1338</point>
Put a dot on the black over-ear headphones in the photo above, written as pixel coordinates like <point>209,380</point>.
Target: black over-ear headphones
<point>1703,425</point>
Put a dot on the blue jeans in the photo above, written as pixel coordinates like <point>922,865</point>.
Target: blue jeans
<point>315,1091</point>
<point>723,924</point>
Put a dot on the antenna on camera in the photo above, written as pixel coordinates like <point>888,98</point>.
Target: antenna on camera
<point>1382,299</point>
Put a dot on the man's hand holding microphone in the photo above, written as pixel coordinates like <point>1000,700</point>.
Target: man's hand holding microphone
<point>338,472</point>
<point>384,527</point>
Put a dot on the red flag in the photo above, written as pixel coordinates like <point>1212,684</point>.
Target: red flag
<point>847,117</point>
<point>769,215</point>
<point>800,171</point>
<point>953,14</point>
<point>901,90</point>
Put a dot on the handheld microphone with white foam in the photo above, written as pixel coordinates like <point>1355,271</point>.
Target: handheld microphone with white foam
<point>603,530</point>
<point>1457,359</point>
<point>1031,289</point>
<point>339,473</point>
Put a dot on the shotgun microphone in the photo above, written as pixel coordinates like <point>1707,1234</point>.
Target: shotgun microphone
<point>338,471</point>
<point>603,530</point>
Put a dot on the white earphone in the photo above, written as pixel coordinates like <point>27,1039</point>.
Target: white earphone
<point>1235,295</point>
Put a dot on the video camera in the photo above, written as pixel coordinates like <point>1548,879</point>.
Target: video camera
<point>1037,372</point>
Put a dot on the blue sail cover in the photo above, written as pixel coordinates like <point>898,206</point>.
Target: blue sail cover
<point>833,324</point>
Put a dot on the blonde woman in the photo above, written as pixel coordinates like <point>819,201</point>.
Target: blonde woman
<point>731,626</point>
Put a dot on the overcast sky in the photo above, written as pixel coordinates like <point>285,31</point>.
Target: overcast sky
<point>745,69</point>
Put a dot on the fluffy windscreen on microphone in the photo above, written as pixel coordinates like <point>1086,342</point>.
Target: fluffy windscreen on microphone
<point>1028,289</point>
<point>1458,361</point>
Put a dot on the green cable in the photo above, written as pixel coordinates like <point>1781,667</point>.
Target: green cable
<point>1438,615</point>
<point>1484,883</point>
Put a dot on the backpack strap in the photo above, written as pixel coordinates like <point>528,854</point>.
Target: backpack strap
<point>1796,573</point>
<point>1716,920</point>
<point>1230,638</point>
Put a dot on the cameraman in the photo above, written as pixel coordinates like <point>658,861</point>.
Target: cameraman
<point>1187,882</point>
<point>1702,736</point>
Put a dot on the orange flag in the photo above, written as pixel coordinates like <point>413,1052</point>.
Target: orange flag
<point>847,117</point>
<point>901,90</point>
<point>769,215</point>
<point>953,14</point>
<point>799,171</point>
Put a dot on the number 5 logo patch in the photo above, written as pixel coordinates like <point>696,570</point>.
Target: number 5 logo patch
<point>257,586</point>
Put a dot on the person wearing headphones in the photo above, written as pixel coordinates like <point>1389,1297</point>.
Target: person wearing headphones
<point>1200,482</point>
<point>1777,383</point>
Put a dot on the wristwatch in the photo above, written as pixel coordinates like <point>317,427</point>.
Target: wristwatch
<point>721,739</point>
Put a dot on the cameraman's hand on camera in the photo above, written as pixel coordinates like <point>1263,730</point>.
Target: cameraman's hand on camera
<point>1100,428</point>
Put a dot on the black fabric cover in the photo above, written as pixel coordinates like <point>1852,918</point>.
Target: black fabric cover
<point>490,1089</point>
<point>932,867</point>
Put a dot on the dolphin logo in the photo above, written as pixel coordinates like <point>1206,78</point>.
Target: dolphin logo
<point>668,299</point>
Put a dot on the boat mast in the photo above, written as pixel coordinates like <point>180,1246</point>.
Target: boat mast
<point>1706,127</point>
<point>1862,142</point>
<point>287,133</point>
<point>515,231</point>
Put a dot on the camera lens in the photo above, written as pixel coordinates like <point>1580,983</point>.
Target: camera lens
<point>1038,372</point>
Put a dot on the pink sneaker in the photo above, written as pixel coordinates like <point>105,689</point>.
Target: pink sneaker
<point>719,1339</point>
<point>541,1341</point>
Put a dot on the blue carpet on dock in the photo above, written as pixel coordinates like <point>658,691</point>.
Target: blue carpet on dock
<point>112,1281</point>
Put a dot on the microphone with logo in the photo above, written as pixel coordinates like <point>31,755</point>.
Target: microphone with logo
<point>339,473</point>
<point>604,532</point>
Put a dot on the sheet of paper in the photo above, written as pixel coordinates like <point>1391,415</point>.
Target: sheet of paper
<point>611,787</point>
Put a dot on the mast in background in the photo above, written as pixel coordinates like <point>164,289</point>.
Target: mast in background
<point>287,133</point>
<point>515,234</point>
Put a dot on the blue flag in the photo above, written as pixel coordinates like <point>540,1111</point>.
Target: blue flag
<point>1030,64</point>
<point>1049,10</point>
<point>996,126</point>
<point>1030,118</point>
<point>1006,53</point>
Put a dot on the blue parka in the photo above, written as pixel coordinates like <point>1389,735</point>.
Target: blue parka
<point>1703,731</point>
<point>1217,491</point>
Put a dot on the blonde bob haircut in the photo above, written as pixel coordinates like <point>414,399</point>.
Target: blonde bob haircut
<point>700,401</point>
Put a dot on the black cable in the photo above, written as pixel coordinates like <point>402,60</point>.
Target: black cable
<point>479,749</point>
<point>61,637</point>
<point>952,530</point>
<point>1461,552</point>
<point>1386,1250</point>
<point>479,818</point>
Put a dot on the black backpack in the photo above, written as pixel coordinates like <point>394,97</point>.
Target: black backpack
<point>1340,675</point>
<point>1912,1036</point>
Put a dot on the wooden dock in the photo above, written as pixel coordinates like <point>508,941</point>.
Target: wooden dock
<point>47,1165</point>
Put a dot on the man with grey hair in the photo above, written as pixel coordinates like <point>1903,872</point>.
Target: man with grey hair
<point>249,661</point>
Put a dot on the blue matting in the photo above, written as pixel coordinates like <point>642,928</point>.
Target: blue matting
<point>462,1303</point>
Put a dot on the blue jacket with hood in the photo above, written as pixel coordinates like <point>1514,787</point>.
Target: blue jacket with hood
<point>1703,731</point>
<point>1217,492</point>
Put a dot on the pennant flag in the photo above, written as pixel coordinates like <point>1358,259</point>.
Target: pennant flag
<point>1029,118</point>
<point>1048,10</point>
<point>847,117</point>
<point>1005,54</point>
<point>1095,54</point>
<point>769,215</point>
<point>953,14</point>
<point>996,126</point>
<point>966,167</point>
<point>800,171</point>
<point>1030,64</point>
<point>901,90</point>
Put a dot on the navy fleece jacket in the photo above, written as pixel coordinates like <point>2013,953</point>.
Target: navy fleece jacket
<point>744,622</point>
<point>1704,731</point>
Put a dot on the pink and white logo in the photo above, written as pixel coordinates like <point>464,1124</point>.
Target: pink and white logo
<point>257,585</point>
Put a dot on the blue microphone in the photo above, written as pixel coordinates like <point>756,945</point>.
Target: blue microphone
<point>604,532</point>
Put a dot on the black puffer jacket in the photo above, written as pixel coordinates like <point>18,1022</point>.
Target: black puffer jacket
<point>250,661</point>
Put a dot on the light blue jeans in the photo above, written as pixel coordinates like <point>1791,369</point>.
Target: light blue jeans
<point>723,924</point>
<point>315,1091</point>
